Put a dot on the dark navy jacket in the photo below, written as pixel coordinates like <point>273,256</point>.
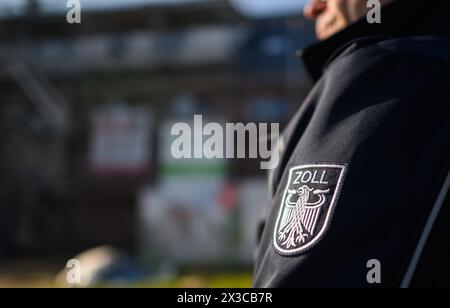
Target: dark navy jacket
<point>365,163</point>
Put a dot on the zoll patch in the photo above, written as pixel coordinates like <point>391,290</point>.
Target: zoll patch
<point>307,206</point>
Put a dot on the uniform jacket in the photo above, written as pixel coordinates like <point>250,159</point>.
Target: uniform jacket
<point>363,180</point>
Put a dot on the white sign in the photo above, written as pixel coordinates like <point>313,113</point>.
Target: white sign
<point>121,139</point>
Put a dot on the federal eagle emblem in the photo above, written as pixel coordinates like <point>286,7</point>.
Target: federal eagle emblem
<point>307,205</point>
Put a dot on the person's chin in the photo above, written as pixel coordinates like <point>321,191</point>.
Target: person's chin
<point>327,31</point>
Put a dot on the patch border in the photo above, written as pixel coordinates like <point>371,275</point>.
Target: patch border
<point>339,184</point>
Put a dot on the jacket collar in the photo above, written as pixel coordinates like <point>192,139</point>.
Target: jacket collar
<point>402,18</point>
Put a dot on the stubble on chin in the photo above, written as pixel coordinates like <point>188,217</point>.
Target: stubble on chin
<point>328,26</point>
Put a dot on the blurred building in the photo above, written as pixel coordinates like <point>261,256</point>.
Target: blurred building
<point>85,111</point>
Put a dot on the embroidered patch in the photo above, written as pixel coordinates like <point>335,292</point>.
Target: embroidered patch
<point>307,206</point>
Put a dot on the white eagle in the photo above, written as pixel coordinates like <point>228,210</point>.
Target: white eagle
<point>300,217</point>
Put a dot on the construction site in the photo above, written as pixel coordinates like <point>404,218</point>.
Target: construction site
<point>85,117</point>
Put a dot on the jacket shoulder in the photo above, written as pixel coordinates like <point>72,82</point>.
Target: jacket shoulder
<point>360,56</point>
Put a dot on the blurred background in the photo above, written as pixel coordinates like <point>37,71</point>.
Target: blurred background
<point>85,117</point>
